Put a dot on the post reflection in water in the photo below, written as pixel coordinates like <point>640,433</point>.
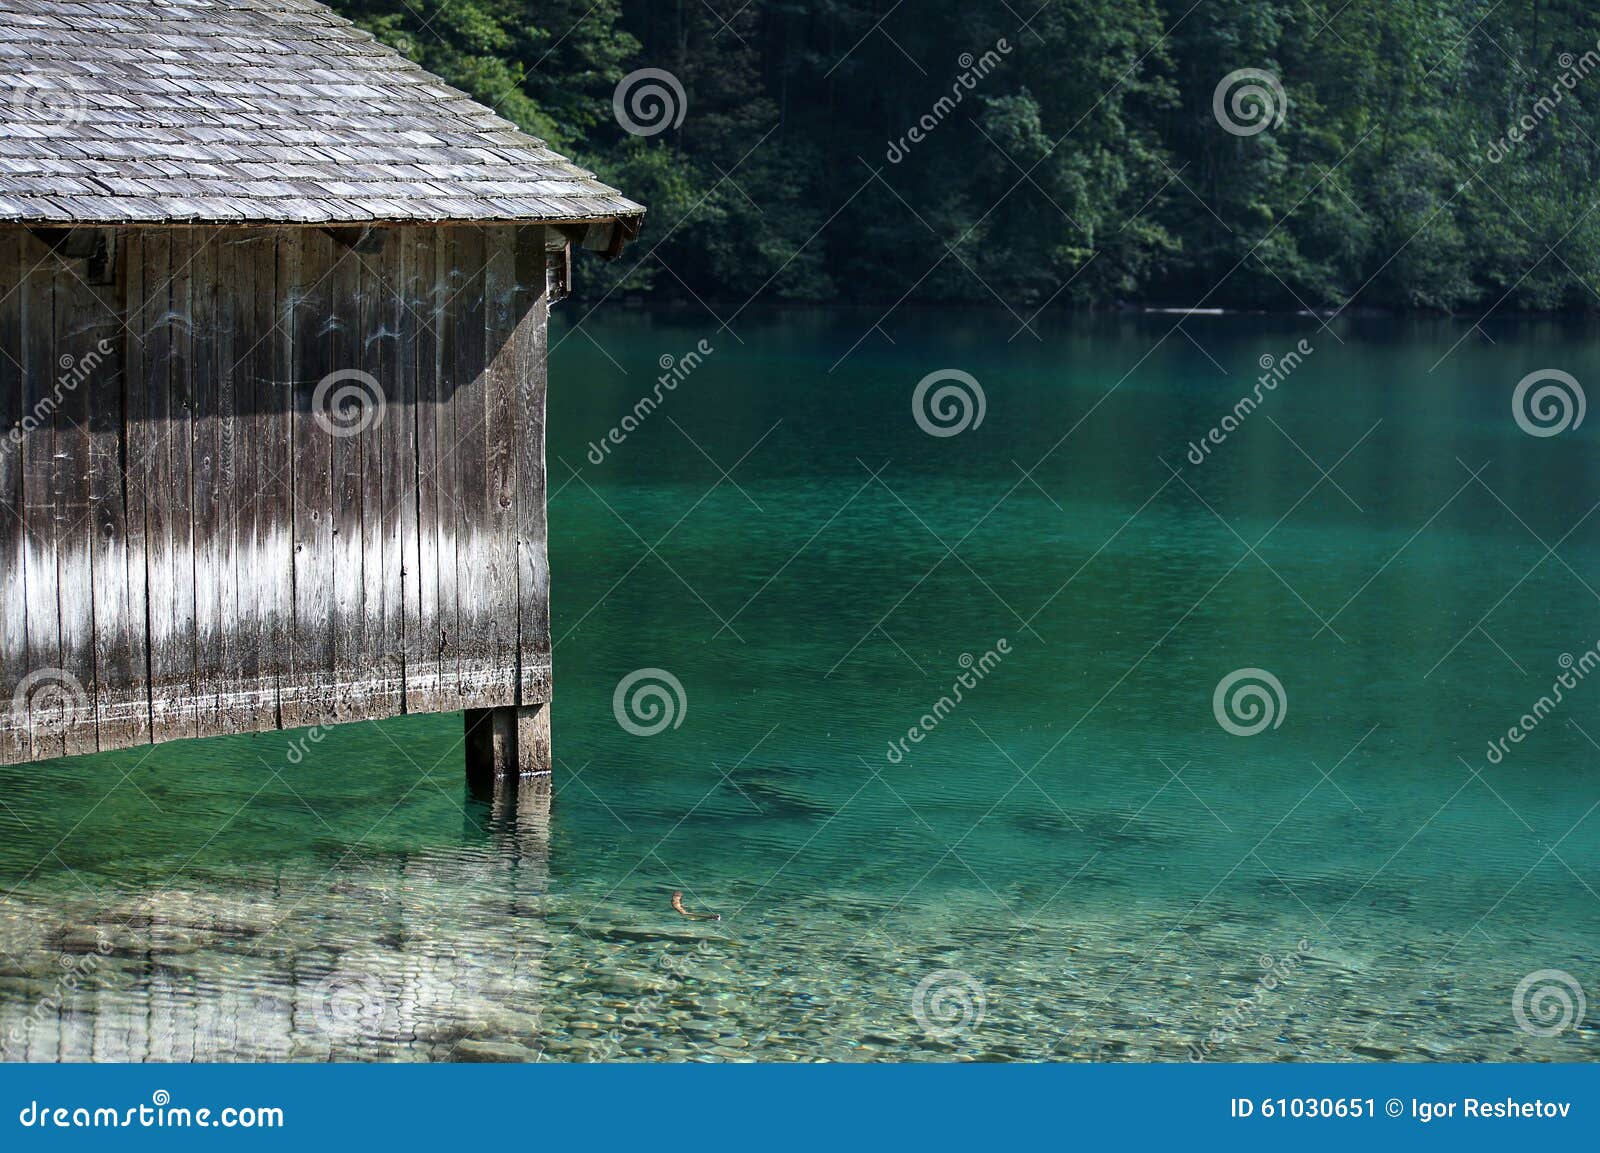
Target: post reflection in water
<point>434,953</point>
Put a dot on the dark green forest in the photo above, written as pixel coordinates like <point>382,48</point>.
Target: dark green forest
<point>1425,155</point>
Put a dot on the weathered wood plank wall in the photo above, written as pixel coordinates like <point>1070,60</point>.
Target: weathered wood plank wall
<point>261,478</point>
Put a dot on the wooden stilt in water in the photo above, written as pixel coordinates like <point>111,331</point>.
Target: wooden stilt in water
<point>510,741</point>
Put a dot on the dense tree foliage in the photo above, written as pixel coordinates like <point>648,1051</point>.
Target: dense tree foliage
<point>1432,154</point>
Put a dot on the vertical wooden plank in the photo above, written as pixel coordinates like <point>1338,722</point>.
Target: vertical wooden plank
<point>378,662</point>
<point>279,488</point>
<point>264,466</point>
<point>496,609</point>
<point>138,439</point>
<point>343,417</point>
<point>254,464</point>
<point>13,540</point>
<point>470,491</point>
<point>189,287</point>
<point>423,640</point>
<point>172,568</point>
<point>149,412</point>
<point>99,345</point>
<point>81,319</point>
<point>530,357</point>
<point>243,438</point>
<point>448,285</point>
<point>312,650</point>
<point>46,719</point>
<point>144,397</point>
<point>231,335</point>
<point>207,480</point>
<point>397,521</point>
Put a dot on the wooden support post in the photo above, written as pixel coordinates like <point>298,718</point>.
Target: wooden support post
<point>533,740</point>
<point>510,741</point>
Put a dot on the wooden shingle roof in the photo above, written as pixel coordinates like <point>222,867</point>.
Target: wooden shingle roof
<point>213,111</point>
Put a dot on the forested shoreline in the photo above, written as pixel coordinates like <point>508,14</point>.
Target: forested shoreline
<point>1407,155</point>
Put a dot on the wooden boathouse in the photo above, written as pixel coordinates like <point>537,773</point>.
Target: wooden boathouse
<point>273,308</point>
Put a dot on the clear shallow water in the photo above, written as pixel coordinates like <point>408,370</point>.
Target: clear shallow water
<point>1079,846</point>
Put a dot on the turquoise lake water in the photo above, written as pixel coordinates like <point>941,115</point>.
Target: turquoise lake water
<point>1077,860</point>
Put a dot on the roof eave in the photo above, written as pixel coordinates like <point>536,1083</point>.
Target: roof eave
<point>63,220</point>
